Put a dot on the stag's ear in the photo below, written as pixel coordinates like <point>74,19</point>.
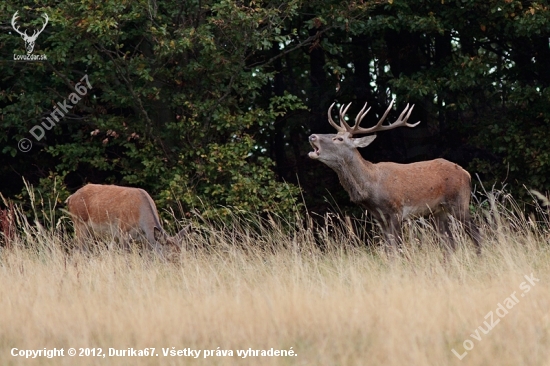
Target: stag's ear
<point>363,141</point>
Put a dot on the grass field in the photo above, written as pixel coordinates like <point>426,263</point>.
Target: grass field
<point>272,287</point>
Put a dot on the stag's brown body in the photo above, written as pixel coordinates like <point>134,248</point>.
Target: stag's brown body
<point>393,192</point>
<point>408,189</point>
<point>123,212</point>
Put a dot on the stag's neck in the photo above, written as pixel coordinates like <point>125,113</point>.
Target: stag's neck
<point>357,176</point>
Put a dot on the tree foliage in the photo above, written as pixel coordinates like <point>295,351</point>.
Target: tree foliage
<point>209,104</point>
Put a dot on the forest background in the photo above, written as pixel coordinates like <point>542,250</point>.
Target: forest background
<point>208,105</point>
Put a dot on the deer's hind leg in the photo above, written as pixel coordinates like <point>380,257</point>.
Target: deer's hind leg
<point>442,225</point>
<point>472,231</point>
<point>463,215</point>
<point>390,225</point>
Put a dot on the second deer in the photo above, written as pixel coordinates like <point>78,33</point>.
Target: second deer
<point>123,212</point>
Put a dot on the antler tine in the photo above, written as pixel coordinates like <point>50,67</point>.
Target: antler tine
<point>13,19</point>
<point>46,18</point>
<point>343,117</point>
<point>404,121</point>
<point>401,121</point>
<point>331,121</point>
<point>362,113</point>
<point>378,126</point>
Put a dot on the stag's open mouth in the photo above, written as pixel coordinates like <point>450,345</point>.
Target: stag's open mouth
<point>316,151</point>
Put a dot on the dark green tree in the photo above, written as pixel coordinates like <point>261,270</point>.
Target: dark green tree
<point>210,103</point>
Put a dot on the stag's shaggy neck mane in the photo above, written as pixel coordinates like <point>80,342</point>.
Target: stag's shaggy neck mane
<point>356,176</point>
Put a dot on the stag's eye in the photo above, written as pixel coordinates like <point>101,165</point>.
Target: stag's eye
<point>339,139</point>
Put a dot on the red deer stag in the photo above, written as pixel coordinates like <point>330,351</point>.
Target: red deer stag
<point>121,212</point>
<point>393,192</point>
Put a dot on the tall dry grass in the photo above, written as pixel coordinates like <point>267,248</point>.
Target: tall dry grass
<point>261,284</point>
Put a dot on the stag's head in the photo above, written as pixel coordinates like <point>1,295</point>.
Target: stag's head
<point>29,40</point>
<point>334,149</point>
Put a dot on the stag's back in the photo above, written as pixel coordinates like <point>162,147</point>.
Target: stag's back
<point>421,188</point>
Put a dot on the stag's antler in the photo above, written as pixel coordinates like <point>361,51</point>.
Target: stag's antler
<point>356,130</point>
